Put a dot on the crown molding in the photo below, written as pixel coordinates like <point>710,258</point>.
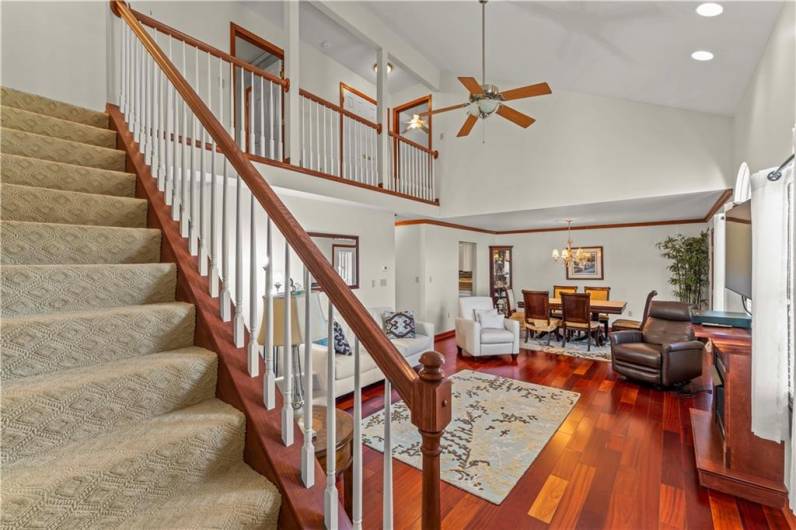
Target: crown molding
<point>722,199</point>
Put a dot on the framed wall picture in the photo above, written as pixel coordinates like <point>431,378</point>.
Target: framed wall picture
<point>590,268</point>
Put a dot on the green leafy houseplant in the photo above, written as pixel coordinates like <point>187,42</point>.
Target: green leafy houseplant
<point>688,267</point>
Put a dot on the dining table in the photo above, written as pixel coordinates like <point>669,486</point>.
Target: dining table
<point>609,307</point>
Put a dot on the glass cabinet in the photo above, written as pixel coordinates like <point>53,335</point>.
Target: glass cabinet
<point>500,276</point>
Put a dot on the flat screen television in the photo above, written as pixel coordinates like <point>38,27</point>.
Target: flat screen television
<point>738,268</point>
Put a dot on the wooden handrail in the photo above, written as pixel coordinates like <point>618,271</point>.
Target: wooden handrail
<point>384,353</point>
<point>187,39</point>
<point>363,121</point>
<point>319,100</point>
<point>416,145</point>
<point>347,113</point>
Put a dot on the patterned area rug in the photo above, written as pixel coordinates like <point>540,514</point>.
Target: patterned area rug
<point>573,348</point>
<point>499,426</point>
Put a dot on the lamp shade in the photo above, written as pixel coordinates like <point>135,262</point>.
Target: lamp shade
<point>279,323</point>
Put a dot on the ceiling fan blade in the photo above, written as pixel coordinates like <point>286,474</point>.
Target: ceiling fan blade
<point>515,116</point>
<point>471,85</point>
<point>468,126</point>
<point>444,109</point>
<point>539,89</point>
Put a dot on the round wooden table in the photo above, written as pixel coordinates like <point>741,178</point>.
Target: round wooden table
<point>344,431</point>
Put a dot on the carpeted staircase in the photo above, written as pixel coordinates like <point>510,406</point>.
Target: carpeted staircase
<point>109,416</point>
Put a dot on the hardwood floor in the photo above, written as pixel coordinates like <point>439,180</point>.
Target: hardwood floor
<point>623,459</point>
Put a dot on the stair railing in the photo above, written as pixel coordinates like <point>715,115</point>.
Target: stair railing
<point>191,136</point>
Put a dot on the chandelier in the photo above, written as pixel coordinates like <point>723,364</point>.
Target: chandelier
<point>568,254</point>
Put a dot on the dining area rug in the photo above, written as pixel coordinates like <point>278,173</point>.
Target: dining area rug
<point>574,348</point>
<point>498,428</point>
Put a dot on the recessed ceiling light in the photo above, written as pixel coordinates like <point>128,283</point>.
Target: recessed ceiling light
<point>709,9</point>
<point>702,55</point>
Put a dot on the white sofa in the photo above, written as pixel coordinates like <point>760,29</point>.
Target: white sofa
<point>473,340</point>
<point>411,349</point>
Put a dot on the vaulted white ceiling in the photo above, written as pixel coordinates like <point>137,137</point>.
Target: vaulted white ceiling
<point>634,50</point>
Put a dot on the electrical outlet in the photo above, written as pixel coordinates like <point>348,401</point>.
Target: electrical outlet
<point>630,313</point>
<point>373,283</point>
<point>384,282</point>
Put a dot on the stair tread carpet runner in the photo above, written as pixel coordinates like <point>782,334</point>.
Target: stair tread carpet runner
<point>109,415</point>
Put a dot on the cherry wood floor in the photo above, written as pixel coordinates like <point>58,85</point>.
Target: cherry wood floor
<point>623,459</point>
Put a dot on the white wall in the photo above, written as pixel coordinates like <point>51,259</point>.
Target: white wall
<point>632,265</point>
<point>767,111</point>
<point>582,149</point>
<point>432,286</point>
<point>56,50</point>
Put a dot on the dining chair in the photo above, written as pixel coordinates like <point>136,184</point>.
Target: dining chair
<point>625,324</point>
<point>557,290</point>
<point>537,314</point>
<point>576,310</point>
<point>511,304</point>
<point>600,293</point>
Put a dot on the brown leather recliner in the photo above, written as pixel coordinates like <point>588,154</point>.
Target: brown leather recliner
<point>664,352</point>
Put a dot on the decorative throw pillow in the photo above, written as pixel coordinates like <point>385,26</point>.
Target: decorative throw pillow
<point>492,320</point>
<point>399,325</point>
<point>341,346</point>
<point>477,314</point>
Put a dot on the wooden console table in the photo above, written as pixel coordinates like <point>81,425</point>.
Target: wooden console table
<point>736,462</point>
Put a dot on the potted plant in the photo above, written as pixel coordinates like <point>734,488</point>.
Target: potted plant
<point>689,267</point>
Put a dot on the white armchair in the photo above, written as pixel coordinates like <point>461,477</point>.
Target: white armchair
<point>474,340</point>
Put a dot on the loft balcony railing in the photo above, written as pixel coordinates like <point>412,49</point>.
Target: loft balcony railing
<point>335,142</point>
<point>175,100</point>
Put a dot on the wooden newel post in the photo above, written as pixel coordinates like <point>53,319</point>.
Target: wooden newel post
<point>431,413</point>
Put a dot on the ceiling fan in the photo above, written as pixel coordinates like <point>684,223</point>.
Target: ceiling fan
<point>486,99</point>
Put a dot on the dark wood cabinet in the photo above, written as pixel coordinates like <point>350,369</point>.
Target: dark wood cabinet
<point>500,275</point>
<point>729,457</point>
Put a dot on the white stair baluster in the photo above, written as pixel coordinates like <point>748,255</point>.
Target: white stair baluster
<point>330,498</point>
<point>318,148</point>
<point>137,81</point>
<point>287,359</point>
<point>356,487</point>
<point>214,278</point>
<point>254,348</point>
<point>123,75</point>
<point>262,118</point>
<point>387,508</point>
<point>238,322</point>
<point>226,297</point>
<point>310,104</point>
<point>167,137</point>
<point>184,177</point>
<point>304,129</point>
<point>194,223</point>
<point>308,450</point>
<point>269,380</point>
<point>252,147</point>
<point>271,119</point>
<point>162,117</point>
<point>279,129</point>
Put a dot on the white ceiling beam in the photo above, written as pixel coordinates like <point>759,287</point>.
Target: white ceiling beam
<point>365,25</point>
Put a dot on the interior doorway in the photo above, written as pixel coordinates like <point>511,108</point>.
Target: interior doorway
<point>467,266</point>
<point>266,56</point>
